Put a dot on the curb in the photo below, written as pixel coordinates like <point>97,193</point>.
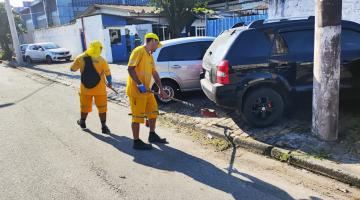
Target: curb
<point>301,160</point>
<point>324,167</point>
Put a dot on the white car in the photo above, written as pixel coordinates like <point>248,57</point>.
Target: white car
<point>179,64</point>
<point>48,52</point>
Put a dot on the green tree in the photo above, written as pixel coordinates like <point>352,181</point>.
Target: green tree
<point>180,13</point>
<point>5,35</point>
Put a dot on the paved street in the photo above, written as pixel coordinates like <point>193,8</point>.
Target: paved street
<point>45,155</point>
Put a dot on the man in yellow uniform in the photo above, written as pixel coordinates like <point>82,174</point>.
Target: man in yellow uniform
<point>94,70</point>
<point>143,104</point>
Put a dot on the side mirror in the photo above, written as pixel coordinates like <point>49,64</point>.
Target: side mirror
<point>41,49</point>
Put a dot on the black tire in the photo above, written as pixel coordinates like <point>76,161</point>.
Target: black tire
<point>263,107</point>
<point>171,88</point>
<point>28,60</point>
<point>49,60</point>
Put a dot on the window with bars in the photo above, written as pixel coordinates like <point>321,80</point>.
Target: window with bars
<point>200,31</point>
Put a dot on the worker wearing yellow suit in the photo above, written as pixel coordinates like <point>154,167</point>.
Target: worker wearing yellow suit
<point>95,75</point>
<point>141,68</point>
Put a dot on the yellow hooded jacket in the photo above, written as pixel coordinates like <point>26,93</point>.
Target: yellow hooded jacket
<point>100,64</point>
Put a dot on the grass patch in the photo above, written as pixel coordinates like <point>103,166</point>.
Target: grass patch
<point>320,154</point>
<point>284,157</point>
<point>219,143</point>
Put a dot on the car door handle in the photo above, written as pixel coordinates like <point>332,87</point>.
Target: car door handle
<point>176,66</point>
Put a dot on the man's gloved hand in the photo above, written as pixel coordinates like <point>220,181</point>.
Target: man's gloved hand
<point>141,88</point>
<point>109,81</point>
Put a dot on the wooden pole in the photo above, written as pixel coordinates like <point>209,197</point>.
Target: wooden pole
<point>325,104</point>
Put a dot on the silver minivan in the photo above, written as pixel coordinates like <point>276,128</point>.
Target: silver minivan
<point>179,63</point>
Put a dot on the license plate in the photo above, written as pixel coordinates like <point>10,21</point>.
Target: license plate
<point>207,75</point>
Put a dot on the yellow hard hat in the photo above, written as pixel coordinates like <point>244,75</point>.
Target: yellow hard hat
<point>153,36</point>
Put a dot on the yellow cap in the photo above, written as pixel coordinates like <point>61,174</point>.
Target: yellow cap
<point>153,36</point>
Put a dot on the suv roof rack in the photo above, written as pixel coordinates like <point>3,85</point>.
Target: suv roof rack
<point>259,23</point>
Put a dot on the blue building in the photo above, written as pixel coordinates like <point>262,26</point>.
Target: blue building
<point>47,13</point>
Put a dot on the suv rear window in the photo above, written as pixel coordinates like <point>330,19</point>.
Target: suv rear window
<point>251,47</point>
<point>184,52</point>
<point>221,44</point>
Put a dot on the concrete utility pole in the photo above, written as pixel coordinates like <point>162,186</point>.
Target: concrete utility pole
<point>325,119</point>
<point>14,35</point>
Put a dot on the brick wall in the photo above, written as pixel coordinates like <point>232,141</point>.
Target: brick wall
<point>301,8</point>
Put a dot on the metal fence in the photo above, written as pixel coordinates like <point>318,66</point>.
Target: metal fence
<point>215,27</point>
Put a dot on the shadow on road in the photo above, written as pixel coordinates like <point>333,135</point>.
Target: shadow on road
<point>170,159</point>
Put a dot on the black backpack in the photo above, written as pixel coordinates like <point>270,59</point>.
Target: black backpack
<point>90,77</point>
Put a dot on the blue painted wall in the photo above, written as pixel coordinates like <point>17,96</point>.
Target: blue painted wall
<point>215,27</point>
<point>111,20</point>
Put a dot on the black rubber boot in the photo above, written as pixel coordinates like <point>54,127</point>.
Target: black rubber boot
<point>81,123</point>
<point>105,130</point>
<point>155,138</point>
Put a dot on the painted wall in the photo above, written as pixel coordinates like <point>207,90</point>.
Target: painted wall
<point>304,8</point>
<point>94,31</point>
<point>111,20</point>
<point>65,36</point>
<point>215,27</point>
<point>69,36</point>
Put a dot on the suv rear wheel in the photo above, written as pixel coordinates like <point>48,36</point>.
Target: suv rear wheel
<point>263,107</point>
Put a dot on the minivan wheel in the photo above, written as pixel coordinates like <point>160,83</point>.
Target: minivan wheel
<point>171,89</point>
<point>263,107</point>
<point>28,59</point>
<point>49,60</point>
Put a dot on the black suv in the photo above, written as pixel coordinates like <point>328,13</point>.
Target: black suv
<point>259,69</point>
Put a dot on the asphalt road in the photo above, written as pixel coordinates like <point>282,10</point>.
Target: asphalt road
<point>45,155</point>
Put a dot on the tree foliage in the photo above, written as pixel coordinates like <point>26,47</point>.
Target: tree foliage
<point>180,13</point>
<point>5,35</point>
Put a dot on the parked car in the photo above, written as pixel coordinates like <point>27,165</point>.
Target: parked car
<point>23,48</point>
<point>260,69</point>
<point>48,52</point>
<point>179,63</point>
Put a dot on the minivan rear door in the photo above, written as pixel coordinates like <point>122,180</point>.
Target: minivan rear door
<point>185,60</point>
<point>162,60</point>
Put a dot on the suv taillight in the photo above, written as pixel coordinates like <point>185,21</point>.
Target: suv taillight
<point>222,74</point>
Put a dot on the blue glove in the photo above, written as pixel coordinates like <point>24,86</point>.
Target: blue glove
<point>141,88</point>
<point>109,79</point>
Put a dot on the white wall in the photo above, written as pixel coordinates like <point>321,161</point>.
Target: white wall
<point>107,46</point>
<point>68,36</point>
<point>65,36</point>
<point>94,30</point>
<point>302,8</point>
<point>142,29</point>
